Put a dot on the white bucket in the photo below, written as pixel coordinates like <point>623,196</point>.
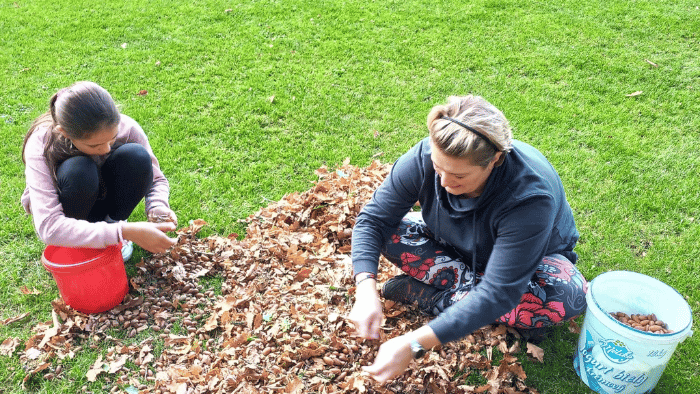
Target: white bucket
<point>612,357</point>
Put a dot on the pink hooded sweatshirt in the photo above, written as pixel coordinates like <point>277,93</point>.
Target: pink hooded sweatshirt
<point>40,197</point>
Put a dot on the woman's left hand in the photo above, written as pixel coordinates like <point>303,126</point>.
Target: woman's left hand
<point>392,359</point>
<point>162,214</point>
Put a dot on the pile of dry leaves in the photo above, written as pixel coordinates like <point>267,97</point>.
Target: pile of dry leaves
<point>279,324</point>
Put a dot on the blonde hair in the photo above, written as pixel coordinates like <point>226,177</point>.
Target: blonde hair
<point>477,113</point>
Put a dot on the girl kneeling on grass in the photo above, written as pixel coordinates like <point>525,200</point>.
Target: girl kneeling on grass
<point>87,167</point>
<point>493,242</point>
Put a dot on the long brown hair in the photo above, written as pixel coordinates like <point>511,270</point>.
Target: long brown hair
<point>80,110</point>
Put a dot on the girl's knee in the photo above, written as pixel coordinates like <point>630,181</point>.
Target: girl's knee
<point>130,159</point>
<point>132,153</point>
<point>78,175</point>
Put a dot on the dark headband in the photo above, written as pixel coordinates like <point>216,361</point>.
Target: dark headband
<point>473,130</point>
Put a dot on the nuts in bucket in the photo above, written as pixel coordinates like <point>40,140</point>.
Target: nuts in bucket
<point>646,323</point>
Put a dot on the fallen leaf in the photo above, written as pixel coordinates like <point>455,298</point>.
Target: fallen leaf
<point>143,92</point>
<point>117,365</point>
<point>303,274</point>
<point>637,93</point>
<point>96,369</point>
<point>14,319</point>
<point>294,387</point>
<point>574,327</point>
<point>8,346</point>
<point>25,290</point>
<point>650,62</point>
<point>536,352</point>
<point>123,45</point>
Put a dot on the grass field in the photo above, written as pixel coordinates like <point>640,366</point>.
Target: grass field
<point>246,99</point>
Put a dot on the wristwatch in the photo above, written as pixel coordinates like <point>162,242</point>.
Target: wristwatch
<point>416,348</point>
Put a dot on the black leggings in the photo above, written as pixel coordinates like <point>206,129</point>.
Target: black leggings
<point>90,193</point>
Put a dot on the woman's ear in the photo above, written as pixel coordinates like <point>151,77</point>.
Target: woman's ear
<point>499,158</point>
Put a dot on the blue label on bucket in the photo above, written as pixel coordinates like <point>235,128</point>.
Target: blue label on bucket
<point>616,350</point>
<point>605,378</point>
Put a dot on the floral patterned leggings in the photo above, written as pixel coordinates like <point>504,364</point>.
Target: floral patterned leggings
<point>556,292</point>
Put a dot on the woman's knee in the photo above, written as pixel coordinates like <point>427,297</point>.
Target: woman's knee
<point>563,283</point>
<point>557,269</point>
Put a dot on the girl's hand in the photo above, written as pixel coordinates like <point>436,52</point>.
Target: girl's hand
<point>162,214</point>
<point>367,312</point>
<point>150,236</point>
<point>392,359</point>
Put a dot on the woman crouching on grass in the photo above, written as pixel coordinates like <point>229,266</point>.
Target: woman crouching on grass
<point>493,242</point>
<point>87,167</point>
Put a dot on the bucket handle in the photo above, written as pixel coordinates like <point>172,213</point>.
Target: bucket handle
<point>54,265</point>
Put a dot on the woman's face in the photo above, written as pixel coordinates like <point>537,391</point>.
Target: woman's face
<point>99,143</point>
<point>458,175</point>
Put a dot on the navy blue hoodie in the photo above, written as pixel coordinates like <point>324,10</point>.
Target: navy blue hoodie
<point>521,216</point>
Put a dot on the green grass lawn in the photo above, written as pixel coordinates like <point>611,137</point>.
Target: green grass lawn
<point>246,99</point>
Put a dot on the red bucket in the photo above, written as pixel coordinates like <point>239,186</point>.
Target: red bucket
<point>89,280</point>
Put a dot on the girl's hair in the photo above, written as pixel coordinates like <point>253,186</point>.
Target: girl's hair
<point>80,110</point>
<point>477,113</point>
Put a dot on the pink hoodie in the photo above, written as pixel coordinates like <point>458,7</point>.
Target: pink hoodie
<point>40,197</point>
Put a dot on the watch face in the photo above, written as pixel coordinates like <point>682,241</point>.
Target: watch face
<point>417,349</point>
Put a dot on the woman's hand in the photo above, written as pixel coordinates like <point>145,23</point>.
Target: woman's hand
<point>392,359</point>
<point>161,214</point>
<point>395,355</point>
<point>150,236</point>
<point>367,312</point>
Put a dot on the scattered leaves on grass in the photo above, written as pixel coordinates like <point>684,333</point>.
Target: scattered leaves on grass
<point>278,324</point>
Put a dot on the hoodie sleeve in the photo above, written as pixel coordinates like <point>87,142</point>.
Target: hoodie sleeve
<point>522,236</point>
<point>388,205</point>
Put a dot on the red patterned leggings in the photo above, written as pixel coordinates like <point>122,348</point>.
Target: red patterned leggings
<point>556,292</point>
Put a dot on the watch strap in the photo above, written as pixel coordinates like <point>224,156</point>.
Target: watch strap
<point>362,276</point>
